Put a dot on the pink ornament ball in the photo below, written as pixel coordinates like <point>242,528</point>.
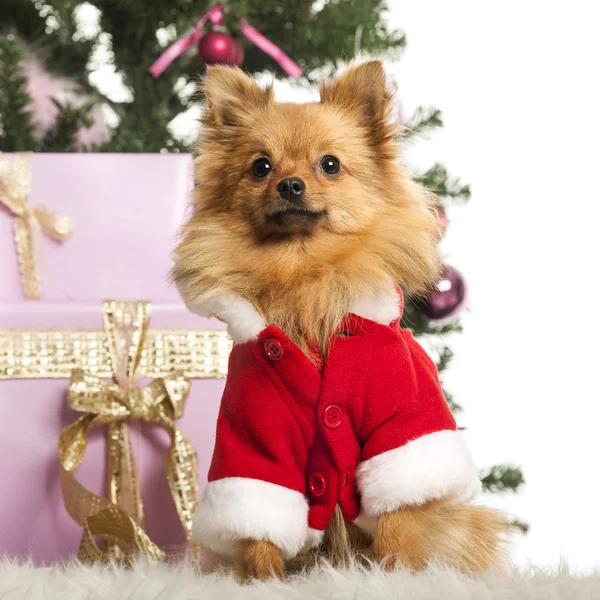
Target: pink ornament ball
<point>447,298</point>
<point>237,55</point>
<point>217,47</point>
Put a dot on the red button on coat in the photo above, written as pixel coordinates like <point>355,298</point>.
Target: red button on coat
<point>332,416</point>
<point>317,484</point>
<point>273,349</point>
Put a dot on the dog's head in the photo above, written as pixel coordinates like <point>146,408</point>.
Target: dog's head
<point>288,189</point>
<point>298,169</point>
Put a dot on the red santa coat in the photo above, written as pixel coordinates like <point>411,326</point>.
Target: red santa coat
<point>371,431</point>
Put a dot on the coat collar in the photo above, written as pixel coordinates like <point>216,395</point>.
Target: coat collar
<point>245,323</point>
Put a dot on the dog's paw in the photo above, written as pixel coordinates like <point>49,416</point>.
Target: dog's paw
<point>261,559</point>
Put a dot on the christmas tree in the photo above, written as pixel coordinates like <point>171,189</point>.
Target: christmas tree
<point>54,58</point>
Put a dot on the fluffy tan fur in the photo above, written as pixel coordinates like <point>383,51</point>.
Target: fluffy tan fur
<point>375,224</point>
<point>466,537</point>
<point>378,223</point>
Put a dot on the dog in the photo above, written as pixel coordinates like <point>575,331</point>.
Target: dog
<point>305,229</point>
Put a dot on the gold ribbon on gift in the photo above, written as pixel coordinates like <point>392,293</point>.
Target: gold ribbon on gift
<point>54,353</point>
<point>119,518</point>
<point>15,187</point>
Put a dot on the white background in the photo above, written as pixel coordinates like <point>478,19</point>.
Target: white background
<point>518,86</point>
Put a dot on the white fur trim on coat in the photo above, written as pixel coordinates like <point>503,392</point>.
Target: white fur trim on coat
<point>244,322</point>
<point>383,307</point>
<point>436,465</point>
<point>237,508</point>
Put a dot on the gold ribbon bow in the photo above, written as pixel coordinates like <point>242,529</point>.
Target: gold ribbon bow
<point>120,517</point>
<point>15,187</point>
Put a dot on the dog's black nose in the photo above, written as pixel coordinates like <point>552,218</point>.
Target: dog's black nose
<point>291,189</point>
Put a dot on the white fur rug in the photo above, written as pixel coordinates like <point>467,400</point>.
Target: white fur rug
<point>161,582</point>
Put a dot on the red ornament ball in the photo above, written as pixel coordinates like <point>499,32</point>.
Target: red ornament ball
<point>217,47</point>
<point>446,299</point>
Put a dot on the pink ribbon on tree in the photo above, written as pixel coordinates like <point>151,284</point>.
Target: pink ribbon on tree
<point>215,16</point>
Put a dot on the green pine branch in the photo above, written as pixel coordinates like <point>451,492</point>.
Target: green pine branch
<point>445,356</point>
<point>524,527</point>
<point>503,478</point>
<point>437,180</point>
<point>16,128</point>
<point>424,120</point>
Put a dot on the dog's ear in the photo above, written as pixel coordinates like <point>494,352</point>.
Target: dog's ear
<point>231,95</point>
<point>361,90</point>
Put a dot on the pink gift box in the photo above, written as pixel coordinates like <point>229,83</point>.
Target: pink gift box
<point>126,208</point>
<point>34,411</point>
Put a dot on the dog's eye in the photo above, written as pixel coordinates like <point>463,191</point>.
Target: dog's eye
<point>261,167</point>
<point>330,165</point>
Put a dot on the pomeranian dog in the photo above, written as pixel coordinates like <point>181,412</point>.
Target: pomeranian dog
<point>305,229</point>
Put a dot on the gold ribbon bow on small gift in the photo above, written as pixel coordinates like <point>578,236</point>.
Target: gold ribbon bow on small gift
<point>15,187</point>
<point>120,517</point>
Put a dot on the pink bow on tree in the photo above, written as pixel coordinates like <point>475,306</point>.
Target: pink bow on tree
<point>215,16</point>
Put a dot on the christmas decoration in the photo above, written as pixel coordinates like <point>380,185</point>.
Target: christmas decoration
<point>106,57</point>
<point>15,185</point>
<point>218,47</point>
<point>51,353</point>
<point>447,298</point>
<point>221,47</point>
<point>121,515</point>
<point>101,193</point>
<point>48,347</point>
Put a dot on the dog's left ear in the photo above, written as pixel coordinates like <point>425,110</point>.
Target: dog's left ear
<point>361,90</point>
